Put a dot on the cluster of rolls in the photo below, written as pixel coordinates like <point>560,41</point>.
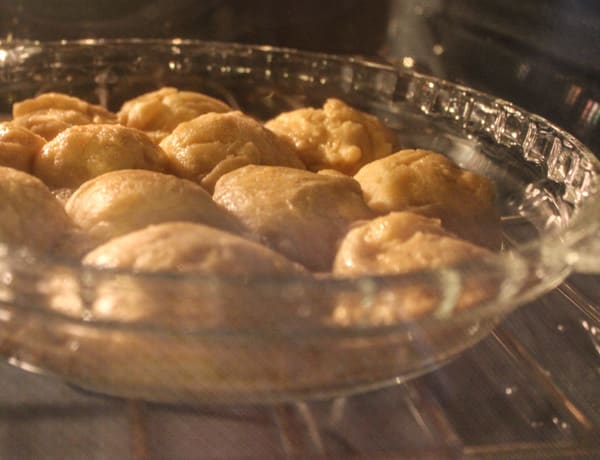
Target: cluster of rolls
<point>178,181</point>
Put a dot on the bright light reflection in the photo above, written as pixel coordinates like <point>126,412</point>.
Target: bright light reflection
<point>5,315</point>
<point>408,62</point>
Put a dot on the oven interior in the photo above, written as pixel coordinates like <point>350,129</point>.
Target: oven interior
<point>528,391</point>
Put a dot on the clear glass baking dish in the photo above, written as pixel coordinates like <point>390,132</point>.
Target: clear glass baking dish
<point>258,339</point>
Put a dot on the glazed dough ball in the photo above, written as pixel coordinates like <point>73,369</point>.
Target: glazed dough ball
<point>298,213</point>
<point>29,213</point>
<point>83,152</point>
<point>398,243</point>
<point>336,136</point>
<point>159,112</point>
<point>403,242</point>
<point>18,146</point>
<point>122,201</point>
<point>431,184</point>
<point>50,113</point>
<point>205,148</point>
<point>189,247</point>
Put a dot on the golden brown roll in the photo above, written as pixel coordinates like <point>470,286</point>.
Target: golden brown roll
<point>81,153</point>
<point>122,201</point>
<point>298,213</point>
<point>50,113</point>
<point>205,148</point>
<point>29,214</point>
<point>159,112</point>
<point>336,136</point>
<point>433,185</point>
<point>18,146</point>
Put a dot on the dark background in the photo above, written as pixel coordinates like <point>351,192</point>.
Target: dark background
<point>541,54</point>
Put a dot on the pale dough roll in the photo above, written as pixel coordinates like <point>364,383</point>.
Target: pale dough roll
<point>189,247</point>
<point>18,146</point>
<point>205,148</point>
<point>122,201</point>
<point>197,301</point>
<point>401,243</point>
<point>81,153</point>
<point>159,112</point>
<point>29,214</point>
<point>298,213</point>
<point>431,184</point>
<point>336,136</point>
<point>50,113</point>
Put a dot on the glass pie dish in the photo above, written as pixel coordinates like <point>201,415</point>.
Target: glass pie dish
<point>256,339</point>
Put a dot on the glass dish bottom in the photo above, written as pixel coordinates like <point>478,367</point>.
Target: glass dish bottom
<point>158,367</point>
